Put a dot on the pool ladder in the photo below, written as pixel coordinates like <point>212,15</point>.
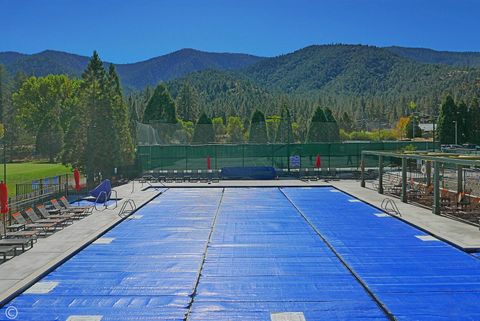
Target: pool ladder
<point>107,198</point>
<point>389,206</point>
<point>127,208</point>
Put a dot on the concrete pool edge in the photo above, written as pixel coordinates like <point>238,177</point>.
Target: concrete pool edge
<point>35,275</point>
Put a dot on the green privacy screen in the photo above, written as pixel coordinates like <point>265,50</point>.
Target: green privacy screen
<point>332,155</point>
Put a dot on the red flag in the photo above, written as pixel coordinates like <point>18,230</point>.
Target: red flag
<point>3,198</point>
<point>209,163</point>
<point>76,176</point>
<point>318,161</point>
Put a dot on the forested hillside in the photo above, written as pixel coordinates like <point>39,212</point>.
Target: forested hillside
<point>134,76</point>
<point>459,59</point>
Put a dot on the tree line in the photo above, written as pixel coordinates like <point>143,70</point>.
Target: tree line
<point>80,122</point>
<point>182,121</point>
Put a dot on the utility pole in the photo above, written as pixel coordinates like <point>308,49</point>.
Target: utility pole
<point>456,132</point>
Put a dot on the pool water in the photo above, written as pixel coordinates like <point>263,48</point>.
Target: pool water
<point>259,254</point>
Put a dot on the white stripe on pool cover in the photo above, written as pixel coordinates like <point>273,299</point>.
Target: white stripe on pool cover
<point>354,201</point>
<point>334,191</point>
<point>426,238</point>
<point>287,316</point>
<point>382,215</point>
<point>85,318</point>
<point>104,240</point>
<point>135,217</point>
<point>42,287</point>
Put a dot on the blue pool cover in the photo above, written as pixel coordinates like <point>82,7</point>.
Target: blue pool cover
<point>246,253</point>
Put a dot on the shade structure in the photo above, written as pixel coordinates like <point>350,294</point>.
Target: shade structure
<point>3,198</point>
<point>209,163</point>
<point>76,176</point>
<point>318,161</point>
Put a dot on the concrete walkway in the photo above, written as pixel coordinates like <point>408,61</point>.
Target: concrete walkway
<point>19,272</point>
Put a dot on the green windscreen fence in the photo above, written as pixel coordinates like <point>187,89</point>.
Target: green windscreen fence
<point>281,156</point>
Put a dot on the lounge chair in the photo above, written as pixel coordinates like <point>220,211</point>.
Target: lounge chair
<point>6,250</point>
<point>35,219</point>
<point>43,212</point>
<point>20,233</point>
<point>66,204</point>
<point>41,227</point>
<point>79,211</point>
<point>23,243</point>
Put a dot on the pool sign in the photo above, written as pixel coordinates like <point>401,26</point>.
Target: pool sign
<point>295,161</point>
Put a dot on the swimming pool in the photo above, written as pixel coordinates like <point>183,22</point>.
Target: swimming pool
<point>258,254</point>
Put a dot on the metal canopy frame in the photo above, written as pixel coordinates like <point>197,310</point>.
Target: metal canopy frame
<point>432,160</point>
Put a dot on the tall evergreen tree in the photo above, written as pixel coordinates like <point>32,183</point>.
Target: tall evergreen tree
<point>121,118</point>
<point>463,123</point>
<point>474,121</point>
<point>448,115</point>
<point>332,131</point>
<point>284,133</point>
<point>160,107</point>
<point>188,105</point>
<point>258,128</point>
<point>204,132</point>
<point>2,90</point>
<point>316,130</point>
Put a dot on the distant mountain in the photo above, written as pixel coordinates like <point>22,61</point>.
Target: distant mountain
<point>133,76</point>
<point>459,59</point>
<point>356,70</point>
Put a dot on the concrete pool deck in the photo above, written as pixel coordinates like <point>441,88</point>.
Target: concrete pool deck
<point>18,273</point>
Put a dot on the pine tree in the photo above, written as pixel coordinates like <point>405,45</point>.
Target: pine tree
<point>49,141</point>
<point>474,121</point>
<point>316,130</point>
<point>2,90</point>
<point>204,132</point>
<point>258,128</point>
<point>331,129</point>
<point>120,117</point>
<point>160,107</point>
<point>446,127</point>
<point>284,133</point>
<point>463,122</point>
<point>188,103</point>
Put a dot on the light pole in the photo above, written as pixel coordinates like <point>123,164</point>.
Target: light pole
<point>456,132</point>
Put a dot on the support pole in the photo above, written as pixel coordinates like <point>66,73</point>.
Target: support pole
<point>459,178</point>
<point>380,174</point>
<point>362,170</point>
<point>428,166</point>
<point>404,179</point>
<point>436,188</point>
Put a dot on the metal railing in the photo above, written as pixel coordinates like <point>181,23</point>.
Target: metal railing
<point>389,206</point>
<point>124,211</point>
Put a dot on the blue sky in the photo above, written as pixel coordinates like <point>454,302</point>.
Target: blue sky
<point>129,31</point>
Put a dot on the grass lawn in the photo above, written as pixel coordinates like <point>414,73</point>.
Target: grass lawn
<point>27,172</point>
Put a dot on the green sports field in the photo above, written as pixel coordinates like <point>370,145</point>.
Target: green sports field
<point>27,172</point>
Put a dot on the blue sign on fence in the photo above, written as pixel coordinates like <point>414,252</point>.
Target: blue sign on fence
<point>295,161</point>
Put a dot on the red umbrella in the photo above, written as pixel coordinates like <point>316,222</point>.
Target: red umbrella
<point>76,176</point>
<point>3,198</point>
<point>318,161</point>
<point>209,163</point>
